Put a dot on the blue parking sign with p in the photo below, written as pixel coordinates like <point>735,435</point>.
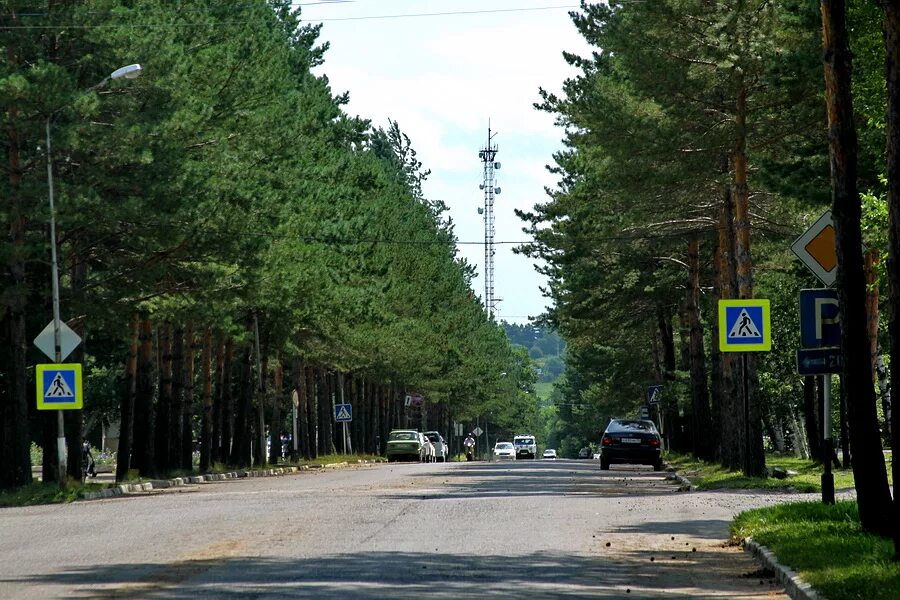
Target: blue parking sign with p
<point>59,387</point>
<point>820,318</point>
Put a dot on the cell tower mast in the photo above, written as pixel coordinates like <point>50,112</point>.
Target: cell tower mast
<point>488,154</point>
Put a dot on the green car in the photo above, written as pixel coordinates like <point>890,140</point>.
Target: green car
<point>404,444</point>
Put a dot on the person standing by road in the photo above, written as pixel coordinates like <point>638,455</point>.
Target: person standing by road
<point>87,460</point>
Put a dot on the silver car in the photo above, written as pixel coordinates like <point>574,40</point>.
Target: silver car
<point>441,451</point>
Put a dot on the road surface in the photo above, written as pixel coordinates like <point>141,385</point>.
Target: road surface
<point>525,529</point>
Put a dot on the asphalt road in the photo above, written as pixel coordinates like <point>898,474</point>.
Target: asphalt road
<point>528,529</point>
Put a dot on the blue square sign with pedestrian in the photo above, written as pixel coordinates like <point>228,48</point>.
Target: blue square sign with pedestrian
<point>343,413</point>
<point>744,326</point>
<point>59,387</point>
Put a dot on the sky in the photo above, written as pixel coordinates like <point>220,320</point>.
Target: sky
<point>443,77</point>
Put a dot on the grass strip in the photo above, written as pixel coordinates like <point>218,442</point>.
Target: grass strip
<point>46,493</point>
<point>827,547</point>
<point>713,476</point>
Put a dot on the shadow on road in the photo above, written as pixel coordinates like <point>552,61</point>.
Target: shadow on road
<point>370,575</point>
<point>540,478</point>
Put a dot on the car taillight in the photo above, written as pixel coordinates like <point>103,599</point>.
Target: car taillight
<point>607,441</point>
<point>654,442</point>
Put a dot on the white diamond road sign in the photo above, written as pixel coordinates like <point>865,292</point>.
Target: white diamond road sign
<point>68,341</point>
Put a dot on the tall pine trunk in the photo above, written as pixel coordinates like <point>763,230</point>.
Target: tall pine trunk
<point>810,415</point>
<point>242,435</point>
<point>872,492</point>
<point>702,421</point>
<point>892,75</point>
<point>228,411</point>
<point>206,426</point>
<point>15,459</point>
<point>142,455</point>
<point>276,429</point>
<point>731,415</point>
<point>192,346</point>
<point>312,400</point>
<point>164,403</point>
<point>176,418</point>
<point>126,404</point>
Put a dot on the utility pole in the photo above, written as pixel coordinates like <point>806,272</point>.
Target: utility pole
<point>488,154</point>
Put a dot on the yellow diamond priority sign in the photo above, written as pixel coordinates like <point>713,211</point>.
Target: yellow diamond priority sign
<point>817,249</point>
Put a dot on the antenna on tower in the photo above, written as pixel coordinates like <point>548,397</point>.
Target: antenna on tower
<point>488,154</point>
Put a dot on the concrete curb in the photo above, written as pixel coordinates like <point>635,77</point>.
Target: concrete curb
<point>795,587</point>
<point>684,484</point>
<point>162,484</point>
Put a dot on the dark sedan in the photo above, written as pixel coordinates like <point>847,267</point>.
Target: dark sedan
<point>631,441</point>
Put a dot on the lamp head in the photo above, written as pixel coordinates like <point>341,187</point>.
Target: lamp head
<point>128,72</point>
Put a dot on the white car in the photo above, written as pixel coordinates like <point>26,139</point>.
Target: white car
<point>440,446</point>
<point>504,451</point>
<point>525,446</point>
<point>549,453</point>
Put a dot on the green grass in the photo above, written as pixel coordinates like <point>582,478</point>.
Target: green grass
<point>543,390</point>
<point>712,476</point>
<point>50,493</point>
<point>827,547</point>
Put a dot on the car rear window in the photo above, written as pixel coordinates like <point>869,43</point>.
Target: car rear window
<point>635,425</point>
<point>524,442</point>
<point>404,435</point>
<point>504,446</point>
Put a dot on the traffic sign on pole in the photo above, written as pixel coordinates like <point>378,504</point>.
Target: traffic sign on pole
<point>343,413</point>
<point>59,387</point>
<point>818,361</point>
<point>654,393</point>
<point>817,250</point>
<point>820,318</point>
<point>68,341</point>
<point>744,326</point>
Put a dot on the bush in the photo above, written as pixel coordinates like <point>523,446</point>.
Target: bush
<point>37,455</point>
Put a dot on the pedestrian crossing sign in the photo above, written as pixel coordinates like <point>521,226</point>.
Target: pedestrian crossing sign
<point>343,413</point>
<point>744,326</point>
<point>59,387</point>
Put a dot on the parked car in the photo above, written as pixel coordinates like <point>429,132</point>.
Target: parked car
<point>585,453</point>
<point>441,450</point>
<point>504,451</point>
<point>525,445</point>
<point>631,441</point>
<point>549,453</point>
<point>427,449</point>
<point>404,444</point>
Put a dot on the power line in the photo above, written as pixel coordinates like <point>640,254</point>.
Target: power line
<point>306,20</point>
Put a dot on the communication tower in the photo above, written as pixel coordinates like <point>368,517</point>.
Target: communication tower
<point>488,155</point>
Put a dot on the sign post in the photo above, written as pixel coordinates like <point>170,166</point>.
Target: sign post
<point>57,341</point>
<point>295,400</point>
<point>745,326</point>
<point>820,356</point>
<point>343,413</point>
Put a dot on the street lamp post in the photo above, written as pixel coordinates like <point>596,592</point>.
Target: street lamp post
<point>127,72</point>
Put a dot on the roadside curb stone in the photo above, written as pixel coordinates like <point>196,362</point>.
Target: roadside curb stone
<point>126,489</point>
<point>684,484</point>
<point>795,587</point>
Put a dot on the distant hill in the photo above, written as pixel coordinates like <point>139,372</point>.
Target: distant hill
<point>544,347</point>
